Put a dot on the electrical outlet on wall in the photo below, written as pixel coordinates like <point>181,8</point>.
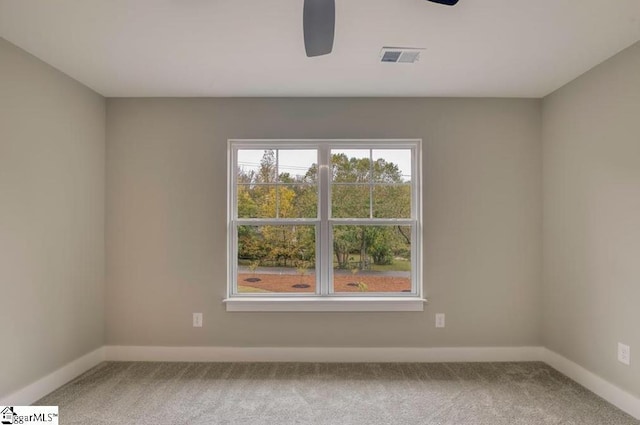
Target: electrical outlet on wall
<point>624,353</point>
<point>197,320</point>
<point>439,320</point>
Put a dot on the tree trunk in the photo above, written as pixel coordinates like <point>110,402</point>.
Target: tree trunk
<point>363,249</point>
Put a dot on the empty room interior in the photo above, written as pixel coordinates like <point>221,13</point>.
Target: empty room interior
<point>320,212</point>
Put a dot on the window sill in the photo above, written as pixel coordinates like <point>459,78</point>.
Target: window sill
<point>326,304</point>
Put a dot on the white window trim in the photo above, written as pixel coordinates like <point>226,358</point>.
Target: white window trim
<point>326,301</point>
<point>318,303</point>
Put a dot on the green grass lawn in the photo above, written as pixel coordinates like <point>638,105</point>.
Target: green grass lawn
<point>245,289</point>
<point>396,266</point>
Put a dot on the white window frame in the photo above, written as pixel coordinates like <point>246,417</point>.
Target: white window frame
<point>324,299</point>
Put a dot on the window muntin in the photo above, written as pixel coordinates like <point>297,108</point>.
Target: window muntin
<point>276,259</point>
<point>337,190</point>
<point>371,258</point>
<point>276,183</point>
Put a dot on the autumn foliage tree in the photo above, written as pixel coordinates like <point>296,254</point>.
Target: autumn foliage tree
<point>361,188</point>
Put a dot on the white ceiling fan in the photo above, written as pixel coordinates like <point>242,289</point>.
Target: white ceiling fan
<point>319,21</point>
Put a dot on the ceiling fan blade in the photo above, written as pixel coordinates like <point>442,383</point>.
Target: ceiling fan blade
<point>447,2</point>
<point>319,20</point>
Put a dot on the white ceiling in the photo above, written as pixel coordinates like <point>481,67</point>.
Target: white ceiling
<point>497,48</point>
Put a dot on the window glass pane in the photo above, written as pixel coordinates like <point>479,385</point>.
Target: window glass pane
<point>297,165</point>
<point>298,201</point>
<point>350,165</point>
<point>256,201</point>
<point>282,183</point>
<point>256,166</point>
<point>276,259</point>
<point>248,164</point>
<point>392,165</point>
<point>392,201</point>
<point>371,259</point>
<point>350,201</point>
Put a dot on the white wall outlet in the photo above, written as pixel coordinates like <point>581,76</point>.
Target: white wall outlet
<point>197,320</point>
<point>624,353</point>
<point>439,320</point>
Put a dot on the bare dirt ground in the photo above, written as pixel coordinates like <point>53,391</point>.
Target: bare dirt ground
<point>342,283</point>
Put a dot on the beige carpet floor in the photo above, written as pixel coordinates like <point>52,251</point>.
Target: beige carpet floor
<point>319,393</point>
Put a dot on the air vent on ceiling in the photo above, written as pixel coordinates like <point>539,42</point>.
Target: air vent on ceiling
<point>400,54</point>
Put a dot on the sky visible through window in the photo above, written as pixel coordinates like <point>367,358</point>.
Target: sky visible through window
<point>297,162</point>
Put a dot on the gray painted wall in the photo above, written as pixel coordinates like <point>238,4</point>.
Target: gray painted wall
<point>52,183</point>
<point>166,220</point>
<point>591,139</point>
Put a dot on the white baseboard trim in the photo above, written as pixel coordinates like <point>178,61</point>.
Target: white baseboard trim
<point>613,394</point>
<point>323,354</point>
<point>40,388</point>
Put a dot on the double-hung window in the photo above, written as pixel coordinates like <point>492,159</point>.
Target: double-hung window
<point>324,225</point>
